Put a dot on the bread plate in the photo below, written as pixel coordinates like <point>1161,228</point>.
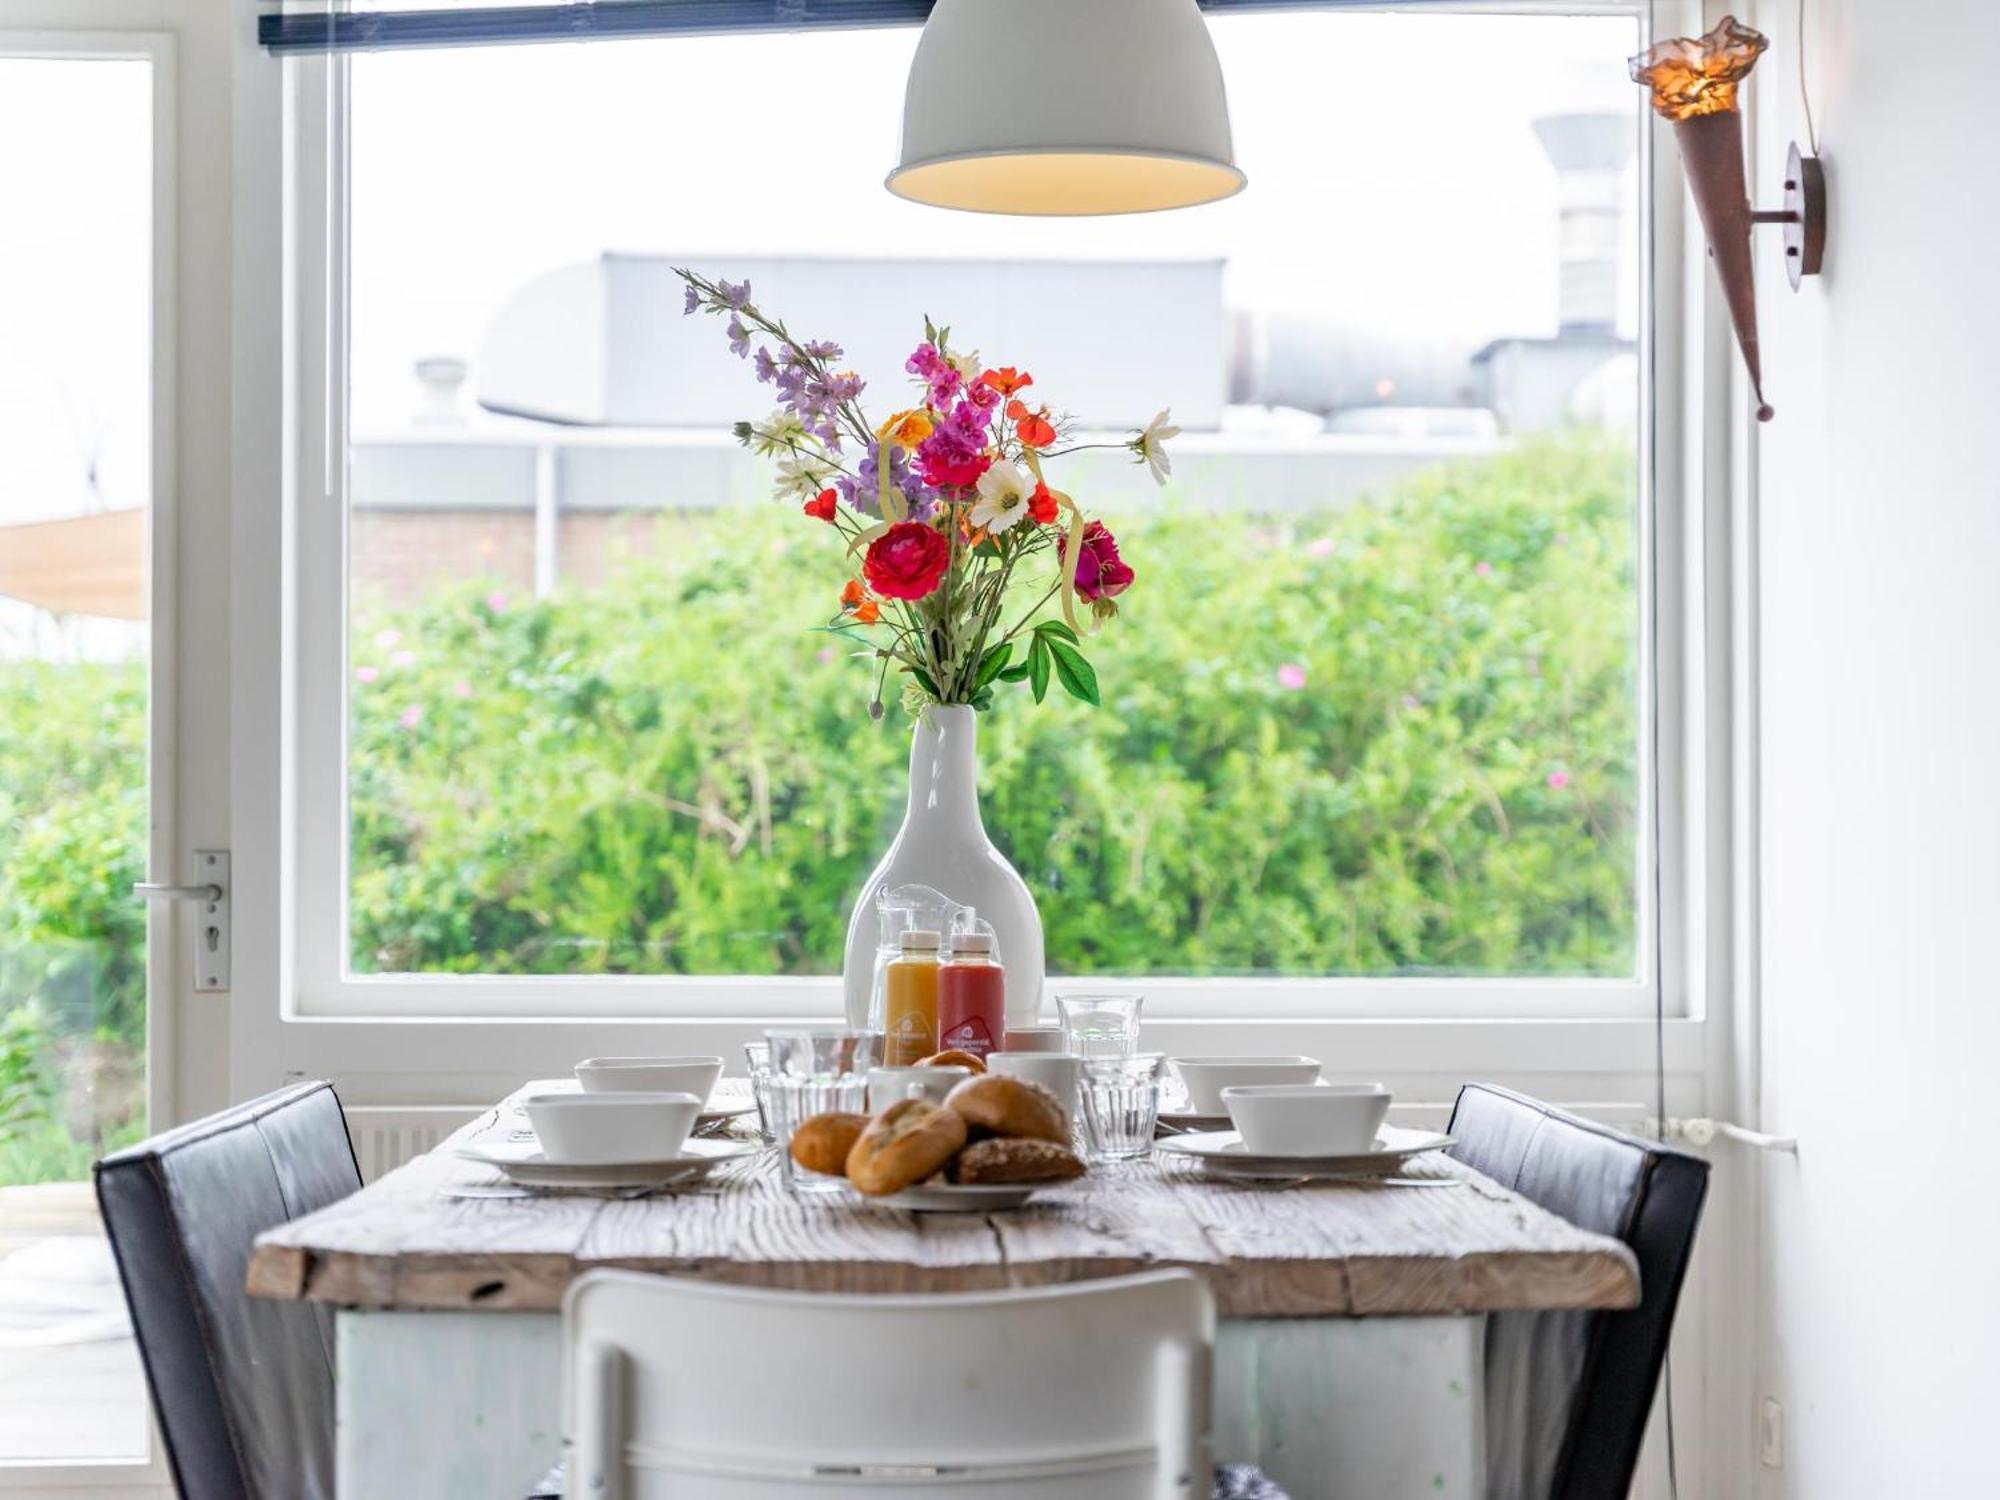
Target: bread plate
<point>523,1164</point>
<point>959,1198</point>
<point>1223,1153</point>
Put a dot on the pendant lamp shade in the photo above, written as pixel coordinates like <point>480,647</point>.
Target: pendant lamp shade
<point>1063,107</point>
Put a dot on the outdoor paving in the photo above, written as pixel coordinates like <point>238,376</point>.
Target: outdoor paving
<point>70,1382</point>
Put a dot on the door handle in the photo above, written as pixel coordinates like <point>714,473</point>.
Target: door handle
<point>211,927</point>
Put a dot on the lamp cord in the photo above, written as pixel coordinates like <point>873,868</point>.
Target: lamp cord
<point>1805,95</point>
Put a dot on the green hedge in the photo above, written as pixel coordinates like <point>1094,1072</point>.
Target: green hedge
<point>674,773</point>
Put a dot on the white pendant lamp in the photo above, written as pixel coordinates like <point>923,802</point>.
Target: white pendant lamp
<point>1066,107</point>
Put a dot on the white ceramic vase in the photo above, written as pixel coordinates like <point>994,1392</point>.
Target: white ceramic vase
<point>943,844</point>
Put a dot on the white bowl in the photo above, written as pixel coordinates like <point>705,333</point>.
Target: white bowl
<point>1308,1119</point>
<point>649,1075</point>
<point>603,1130</point>
<point>887,1085</point>
<point>1207,1077</point>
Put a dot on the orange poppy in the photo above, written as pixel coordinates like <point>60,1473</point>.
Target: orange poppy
<point>853,594</point>
<point>1034,430</point>
<point>906,429</point>
<point>1042,507</point>
<point>1007,380</point>
<point>867,613</point>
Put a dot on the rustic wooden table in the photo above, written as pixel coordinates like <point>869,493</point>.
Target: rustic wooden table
<point>1349,1345</point>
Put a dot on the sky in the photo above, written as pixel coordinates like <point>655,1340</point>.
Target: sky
<point>1395,180</point>
<point>1395,183</point>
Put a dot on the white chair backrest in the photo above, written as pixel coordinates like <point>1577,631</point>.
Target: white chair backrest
<point>679,1389</point>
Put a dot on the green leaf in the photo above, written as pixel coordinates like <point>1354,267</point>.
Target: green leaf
<point>1016,673</point>
<point>983,700</point>
<point>924,681</point>
<point>1038,668</point>
<point>991,664</point>
<point>1078,677</point>
<point>1059,630</point>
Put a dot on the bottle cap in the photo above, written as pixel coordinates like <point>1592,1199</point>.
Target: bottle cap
<point>971,942</point>
<point>921,939</point>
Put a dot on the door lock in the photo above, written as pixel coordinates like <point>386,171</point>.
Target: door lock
<point>210,897</point>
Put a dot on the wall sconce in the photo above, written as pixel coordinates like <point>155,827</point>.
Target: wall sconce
<point>1694,82</point>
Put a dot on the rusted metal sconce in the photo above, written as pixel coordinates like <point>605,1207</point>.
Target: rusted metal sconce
<point>1694,82</point>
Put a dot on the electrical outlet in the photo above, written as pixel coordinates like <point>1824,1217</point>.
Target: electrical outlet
<point>1771,1434</point>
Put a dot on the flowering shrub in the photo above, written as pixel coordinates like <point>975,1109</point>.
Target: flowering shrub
<point>1395,739</point>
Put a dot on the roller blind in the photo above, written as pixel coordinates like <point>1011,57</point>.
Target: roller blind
<point>318,26</point>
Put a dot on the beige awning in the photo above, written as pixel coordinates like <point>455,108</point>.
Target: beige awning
<point>83,565</point>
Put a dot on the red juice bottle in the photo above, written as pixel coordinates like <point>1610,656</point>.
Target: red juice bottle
<point>971,997</point>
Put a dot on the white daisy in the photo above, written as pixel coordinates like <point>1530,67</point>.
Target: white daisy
<point>1151,446</point>
<point>781,432</point>
<point>1004,492</point>
<point>802,477</point>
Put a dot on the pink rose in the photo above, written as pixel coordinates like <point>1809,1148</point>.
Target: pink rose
<point>1100,572</point>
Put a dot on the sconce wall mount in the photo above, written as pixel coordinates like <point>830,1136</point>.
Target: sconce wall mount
<point>1694,85</point>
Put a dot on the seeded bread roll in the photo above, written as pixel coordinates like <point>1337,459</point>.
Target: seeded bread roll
<point>821,1144</point>
<point>1012,1107</point>
<point>999,1161</point>
<point>953,1058</point>
<point>907,1142</point>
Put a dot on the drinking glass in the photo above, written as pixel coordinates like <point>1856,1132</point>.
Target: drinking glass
<point>758,1057</point>
<point>1100,1025</point>
<point>814,1070</point>
<point>1121,1105</point>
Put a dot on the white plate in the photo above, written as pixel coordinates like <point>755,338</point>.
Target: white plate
<point>952,1198</point>
<point>524,1164</point>
<point>1223,1151</point>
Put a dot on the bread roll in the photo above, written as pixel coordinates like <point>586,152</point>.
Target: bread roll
<point>821,1143</point>
<point>1000,1160</point>
<point>953,1058</point>
<point>907,1142</point>
<point>1011,1107</point>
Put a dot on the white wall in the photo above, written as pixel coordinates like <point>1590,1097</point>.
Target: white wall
<point>1879,611</point>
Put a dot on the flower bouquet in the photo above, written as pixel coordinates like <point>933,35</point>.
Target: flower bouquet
<point>957,539</point>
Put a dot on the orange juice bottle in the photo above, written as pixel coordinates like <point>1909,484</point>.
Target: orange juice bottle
<point>972,997</point>
<point>910,1000</point>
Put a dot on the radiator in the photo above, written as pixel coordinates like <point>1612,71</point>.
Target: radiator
<point>386,1136</point>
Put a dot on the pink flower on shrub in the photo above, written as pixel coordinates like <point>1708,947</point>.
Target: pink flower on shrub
<point>402,658</point>
<point>411,717</point>
<point>384,639</point>
<point>1558,780</point>
<point>461,689</point>
<point>1291,676</point>
<point>366,674</point>
<point>1320,547</point>
<point>824,654</point>
<point>496,601</point>
<point>1484,569</point>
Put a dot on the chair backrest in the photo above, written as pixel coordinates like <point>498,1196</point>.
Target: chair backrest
<point>1090,1391</point>
<point>1567,1394</point>
<point>243,1387</point>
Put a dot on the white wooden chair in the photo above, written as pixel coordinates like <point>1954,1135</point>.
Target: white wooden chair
<point>1096,1390</point>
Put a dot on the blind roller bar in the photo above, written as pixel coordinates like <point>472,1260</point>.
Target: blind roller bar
<point>580,20</point>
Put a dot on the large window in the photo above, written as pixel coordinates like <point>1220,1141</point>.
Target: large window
<point>1373,709</point>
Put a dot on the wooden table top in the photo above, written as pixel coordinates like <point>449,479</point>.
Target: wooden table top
<point>1323,1250</point>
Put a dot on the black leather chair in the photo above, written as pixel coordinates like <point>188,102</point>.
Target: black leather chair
<point>1567,1393</point>
<point>243,1387</point>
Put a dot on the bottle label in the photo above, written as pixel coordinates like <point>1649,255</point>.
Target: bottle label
<point>970,1035</point>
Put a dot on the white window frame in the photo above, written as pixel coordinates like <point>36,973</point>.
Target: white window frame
<point>318,989</point>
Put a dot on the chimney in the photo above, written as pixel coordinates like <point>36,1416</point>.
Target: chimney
<point>1589,151</point>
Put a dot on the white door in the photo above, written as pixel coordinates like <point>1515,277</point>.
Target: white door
<point>98,758</point>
